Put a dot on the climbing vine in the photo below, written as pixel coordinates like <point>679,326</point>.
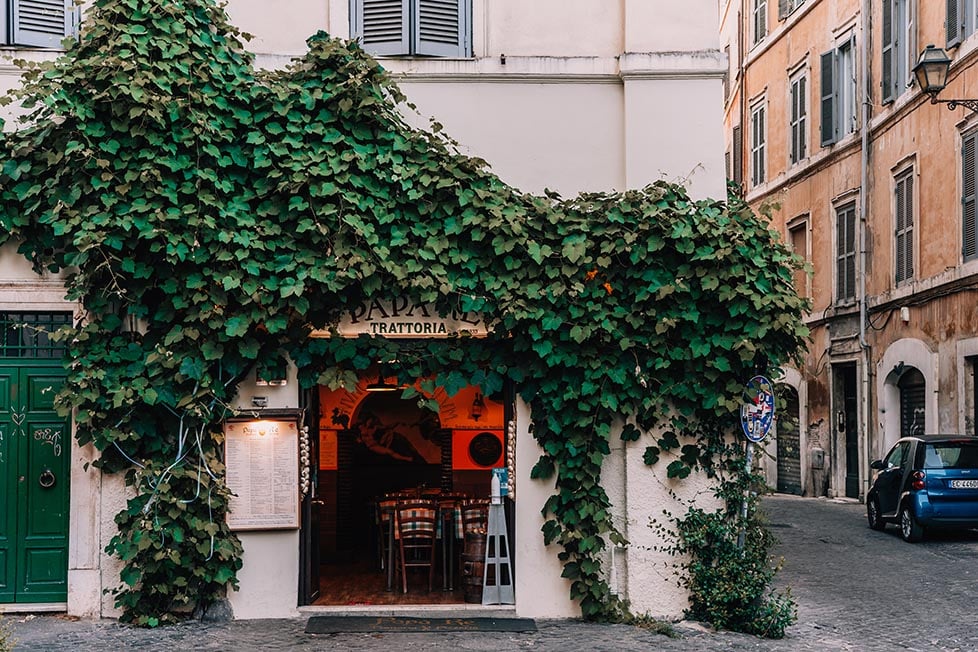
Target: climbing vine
<point>208,216</point>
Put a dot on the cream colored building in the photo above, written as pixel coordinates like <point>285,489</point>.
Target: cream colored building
<point>567,95</point>
<point>873,185</point>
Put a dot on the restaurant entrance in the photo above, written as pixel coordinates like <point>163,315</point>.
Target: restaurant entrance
<point>389,466</point>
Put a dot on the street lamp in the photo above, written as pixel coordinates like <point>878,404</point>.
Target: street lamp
<point>931,75</point>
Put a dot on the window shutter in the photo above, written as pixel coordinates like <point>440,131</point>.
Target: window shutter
<point>969,241</point>
<point>840,255</point>
<point>888,53</point>
<point>441,28</point>
<point>382,25</point>
<point>900,230</point>
<point>802,118</point>
<point>784,8</point>
<point>908,227</point>
<point>851,252</point>
<point>43,23</point>
<point>954,17</point>
<point>738,155</point>
<point>828,98</point>
<point>793,122</point>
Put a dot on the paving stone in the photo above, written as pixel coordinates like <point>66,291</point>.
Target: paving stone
<point>856,589</point>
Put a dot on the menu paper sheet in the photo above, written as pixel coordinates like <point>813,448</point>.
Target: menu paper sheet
<point>262,460</point>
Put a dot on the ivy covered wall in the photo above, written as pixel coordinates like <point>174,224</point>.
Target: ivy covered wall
<point>208,216</point>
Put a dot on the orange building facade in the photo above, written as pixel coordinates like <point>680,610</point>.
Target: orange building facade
<point>874,186</point>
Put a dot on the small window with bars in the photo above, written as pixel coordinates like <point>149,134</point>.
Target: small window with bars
<point>29,334</point>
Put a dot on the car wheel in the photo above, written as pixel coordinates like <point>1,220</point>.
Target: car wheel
<point>910,529</point>
<point>873,515</point>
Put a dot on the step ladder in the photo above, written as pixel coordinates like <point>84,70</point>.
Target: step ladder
<point>497,574</point>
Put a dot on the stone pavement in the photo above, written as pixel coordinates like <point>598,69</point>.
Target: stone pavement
<point>856,589</point>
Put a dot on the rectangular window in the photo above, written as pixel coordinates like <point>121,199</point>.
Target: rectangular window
<point>759,21</point>
<point>798,120</point>
<point>437,28</point>
<point>798,241</point>
<point>737,174</point>
<point>785,7</point>
<point>758,140</point>
<point>838,92</point>
<point>28,334</point>
<point>899,43</point>
<point>903,226</point>
<point>969,186</point>
<point>961,20</point>
<point>38,23</point>
<point>845,234</point>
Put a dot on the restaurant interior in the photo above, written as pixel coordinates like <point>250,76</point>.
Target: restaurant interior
<point>403,494</point>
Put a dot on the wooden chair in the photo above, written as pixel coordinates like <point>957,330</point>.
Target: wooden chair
<point>475,516</point>
<point>417,528</point>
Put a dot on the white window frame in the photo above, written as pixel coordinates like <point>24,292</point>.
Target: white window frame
<point>758,142</point>
<point>838,102</point>
<point>759,21</point>
<point>899,47</point>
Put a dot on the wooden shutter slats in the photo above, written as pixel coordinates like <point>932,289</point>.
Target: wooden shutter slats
<point>827,79</point>
<point>887,81</point>
<point>969,241</point>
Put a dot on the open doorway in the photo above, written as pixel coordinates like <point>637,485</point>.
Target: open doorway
<point>377,451</point>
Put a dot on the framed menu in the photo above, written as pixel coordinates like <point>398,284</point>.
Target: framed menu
<point>262,460</point>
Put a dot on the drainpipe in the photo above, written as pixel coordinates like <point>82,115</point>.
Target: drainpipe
<point>863,209</point>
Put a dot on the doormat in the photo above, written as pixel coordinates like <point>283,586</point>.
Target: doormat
<point>405,624</point>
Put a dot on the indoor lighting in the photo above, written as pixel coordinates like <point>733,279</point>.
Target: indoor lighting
<point>382,386</point>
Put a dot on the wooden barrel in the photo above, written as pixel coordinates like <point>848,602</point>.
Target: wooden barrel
<point>473,564</point>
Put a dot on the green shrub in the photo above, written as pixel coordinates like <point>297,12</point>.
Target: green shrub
<point>730,586</point>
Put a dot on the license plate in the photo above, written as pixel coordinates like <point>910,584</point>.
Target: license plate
<point>963,484</point>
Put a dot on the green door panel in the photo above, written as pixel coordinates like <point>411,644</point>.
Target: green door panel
<point>35,545</point>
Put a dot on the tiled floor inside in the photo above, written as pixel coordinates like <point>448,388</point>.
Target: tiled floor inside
<point>363,583</point>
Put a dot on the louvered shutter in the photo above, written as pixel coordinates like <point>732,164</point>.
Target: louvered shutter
<point>851,252</point>
<point>955,15</point>
<point>969,241</point>
<point>828,98</point>
<point>904,229</point>
<point>760,20</point>
<point>738,155</point>
<point>383,26</point>
<point>840,255</point>
<point>441,28</point>
<point>43,23</point>
<point>886,38</point>
<point>794,122</point>
<point>802,117</point>
<point>908,227</point>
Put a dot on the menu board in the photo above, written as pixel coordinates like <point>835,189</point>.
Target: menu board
<point>262,459</point>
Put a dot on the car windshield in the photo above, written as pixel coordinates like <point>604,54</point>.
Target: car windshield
<point>952,455</point>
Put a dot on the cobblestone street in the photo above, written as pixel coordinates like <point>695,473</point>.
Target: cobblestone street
<point>856,589</point>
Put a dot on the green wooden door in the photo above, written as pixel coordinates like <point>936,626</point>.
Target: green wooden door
<point>34,471</point>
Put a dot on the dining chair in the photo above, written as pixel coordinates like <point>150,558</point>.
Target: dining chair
<point>417,528</point>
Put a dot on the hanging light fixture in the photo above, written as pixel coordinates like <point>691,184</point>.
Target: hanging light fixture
<point>382,385</point>
<point>478,407</point>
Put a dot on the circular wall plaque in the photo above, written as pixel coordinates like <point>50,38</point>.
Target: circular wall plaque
<point>485,449</point>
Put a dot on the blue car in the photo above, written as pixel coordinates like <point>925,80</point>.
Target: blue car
<point>924,482</point>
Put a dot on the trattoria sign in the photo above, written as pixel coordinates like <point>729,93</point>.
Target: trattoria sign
<point>401,317</point>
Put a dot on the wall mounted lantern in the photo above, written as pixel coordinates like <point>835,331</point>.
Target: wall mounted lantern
<point>931,72</point>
